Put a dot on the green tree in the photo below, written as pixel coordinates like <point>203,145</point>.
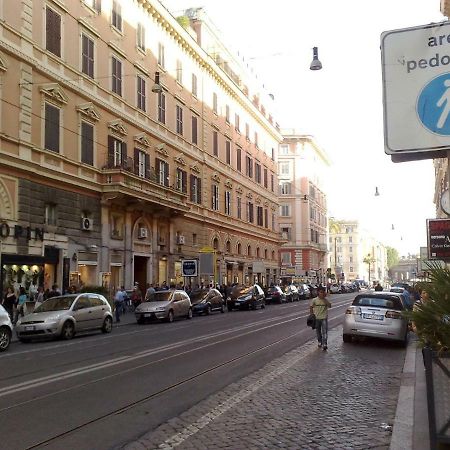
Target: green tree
<point>392,257</point>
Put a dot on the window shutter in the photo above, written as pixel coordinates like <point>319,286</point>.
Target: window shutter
<point>147,166</point>
<point>87,143</point>
<point>166,174</point>
<point>53,32</point>
<point>184,182</point>
<point>98,5</point>
<point>136,161</point>
<point>191,183</point>
<point>124,155</point>
<point>110,151</point>
<point>199,195</point>
<point>51,128</point>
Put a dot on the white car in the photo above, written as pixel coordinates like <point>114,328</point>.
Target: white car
<point>335,289</point>
<point>6,328</point>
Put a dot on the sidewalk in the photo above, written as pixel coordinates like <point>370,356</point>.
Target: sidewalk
<point>309,399</point>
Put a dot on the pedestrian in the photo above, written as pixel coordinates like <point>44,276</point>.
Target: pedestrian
<point>136,296</point>
<point>20,305</point>
<point>319,307</point>
<point>150,294</point>
<point>39,297</point>
<point>55,292</point>
<point>378,287</point>
<point>9,301</point>
<point>119,299</point>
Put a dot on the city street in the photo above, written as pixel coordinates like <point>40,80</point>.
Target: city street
<point>103,391</point>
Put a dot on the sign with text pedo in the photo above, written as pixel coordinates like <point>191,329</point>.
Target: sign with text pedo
<point>189,267</point>
<point>416,91</point>
<point>438,233</point>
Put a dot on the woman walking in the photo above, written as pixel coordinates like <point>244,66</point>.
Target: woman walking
<point>9,301</point>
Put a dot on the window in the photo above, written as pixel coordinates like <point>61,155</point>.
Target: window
<point>215,143</point>
<point>236,123</point>
<point>273,221</point>
<point>194,125</point>
<point>286,233</point>
<point>196,189</point>
<point>350,259</point>
<point>250,212</point>
<point>286,258</point>
<point>284,149</point>
<point>179,124</point>
<point>179,71</point>
<point>116,71</point>
<point>53,32</point>
<point>87,56</point>
<point>141,93</point>
<point>140,35</point>
<point>117,152</point>
<point>285,210</point>
<point>350,239</point>
<point>194,239</point>
<point>256,139</point>
<point>52,125</point>
<point>249,166</point>
<point>284,168</point>
<point>350,249</point>
<point>266,218</point>
<point>161,55</point>
<point>227,114</point>
<point>181,180</point>
<point>247,131</point>
<point>257,172</point>
<point>140,162</point>
<point>272,182</point>
<point>351,269</point>
<point>239,207</point>
<point>162,172</point>
<point>50,214</point>
<point>215,107</point>
<point>238,159</point>
<point>285,187</point>
<point>162,107</point>
<point>215,197</point>
<point>87,143</point>
<point>194,85</point>
<point>116,15</point>
<point>259,216</point>
<point>266,181</point>
<point>228,203</point>
<point>239,248</point>
<point>228,151</point>
<point>94,4</point>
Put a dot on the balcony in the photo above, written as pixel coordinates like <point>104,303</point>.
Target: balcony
<point>137,182</point>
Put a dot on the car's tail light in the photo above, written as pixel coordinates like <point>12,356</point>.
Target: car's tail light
<point>393,315</point>
<point>353,310</point>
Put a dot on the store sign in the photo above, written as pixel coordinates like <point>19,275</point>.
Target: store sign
<point>189,267</point>
<point>18,232</point>
<point>438,233</point>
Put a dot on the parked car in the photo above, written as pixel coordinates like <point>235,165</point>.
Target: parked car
<point>275,294</point>
<point>401,285</point>
<point>304,292</point>
<point>66,315</point>
<point>6,329</point>
<point>292,293</point>
<point>204,301</point>
<point>405,294</point>
<point>335,289</point>
<point>165,305</point>
<point>377,314</point>
<point>246,298</point>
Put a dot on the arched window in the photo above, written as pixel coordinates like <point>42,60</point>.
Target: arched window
<point>216,244</point>
<point>257,252</point>
<point>228,247</point>
<point>265,253</point>
<point>249,250</point>
<point>239,249</point>
<point>273,254</point>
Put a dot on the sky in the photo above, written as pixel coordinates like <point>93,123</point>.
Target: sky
<point>340,105</point>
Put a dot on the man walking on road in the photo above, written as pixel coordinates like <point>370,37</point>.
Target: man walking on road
<point>319,307</point>
<point>119,300</point>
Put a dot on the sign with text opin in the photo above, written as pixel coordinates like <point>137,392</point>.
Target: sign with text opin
<point>416,88</point>
<point>438,233</point>
<point>189,267</point>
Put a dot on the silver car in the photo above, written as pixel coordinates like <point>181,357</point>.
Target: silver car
<point>165,305</point>
<point>66,315</point>
<point>377,314</point>
<point>6,328</point>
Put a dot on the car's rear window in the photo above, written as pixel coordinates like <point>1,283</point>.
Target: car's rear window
<point>272,289</point>
<point>379,302</point>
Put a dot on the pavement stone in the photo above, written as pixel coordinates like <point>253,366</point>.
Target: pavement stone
<point>305,399</point>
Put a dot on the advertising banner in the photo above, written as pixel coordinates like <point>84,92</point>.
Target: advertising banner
<point>438,233</point>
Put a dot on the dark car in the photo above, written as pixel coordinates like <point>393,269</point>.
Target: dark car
<point>304,291</point>
<point>243,297</point>
<point>275,294</point>
<point>204,301</point>
<point>292,293</point>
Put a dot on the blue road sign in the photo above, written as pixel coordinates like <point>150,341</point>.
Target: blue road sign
<point>433,105</point>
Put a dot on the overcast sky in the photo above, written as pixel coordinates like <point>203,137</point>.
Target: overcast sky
<point>340,105</point>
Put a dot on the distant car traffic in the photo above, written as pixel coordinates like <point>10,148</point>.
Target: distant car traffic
<point>6,329</point>
<point>246,298</point>
<point>378,315</point>
<point>66,315</point>
<point>204,301</point>
<point>165,305</point>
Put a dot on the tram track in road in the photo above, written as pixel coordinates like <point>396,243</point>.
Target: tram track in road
<point>53,440</point>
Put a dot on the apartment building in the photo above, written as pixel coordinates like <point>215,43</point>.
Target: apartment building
<point>130,141</point>
<point>302,171</point>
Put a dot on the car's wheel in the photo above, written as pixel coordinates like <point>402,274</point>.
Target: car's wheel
<point>208,310</point>
<point>222,309</point>
<point>24,340</point>
<point>5,338</point>
<point>189,314</point>
<point>68,330</point>
<point>140,321</point>
<point>107,325</point>
<point>346,338</point>
<point>170,317</point>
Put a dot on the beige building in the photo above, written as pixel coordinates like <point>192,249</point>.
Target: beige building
<point>108,179</point>
<point>302,171</point>
<point>355,254</point>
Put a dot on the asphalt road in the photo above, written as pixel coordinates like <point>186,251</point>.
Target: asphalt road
<point>102,391</point>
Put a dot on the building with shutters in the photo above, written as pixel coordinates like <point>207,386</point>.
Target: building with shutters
<point>102,180</point>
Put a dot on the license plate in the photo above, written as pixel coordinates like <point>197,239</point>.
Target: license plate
<point>29,328</point>
<point>373,316</point>
<point>148,315</point>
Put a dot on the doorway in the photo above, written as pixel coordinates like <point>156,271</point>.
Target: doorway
<point>140,271</point>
